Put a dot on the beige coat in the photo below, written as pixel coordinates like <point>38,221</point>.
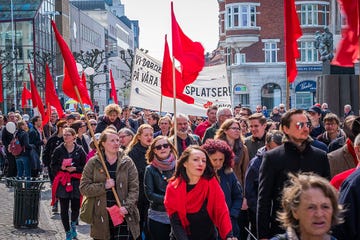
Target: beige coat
<point>340,160</point>
<point>92,184</point>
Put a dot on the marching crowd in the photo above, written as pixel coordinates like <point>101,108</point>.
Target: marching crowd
<point>234,174</point>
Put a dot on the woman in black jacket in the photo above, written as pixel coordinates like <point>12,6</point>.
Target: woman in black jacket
<point>161,157</point>
<point>136,151</point>
<point>23,162</point>
<point>112,117</point>
<point>68,161</point>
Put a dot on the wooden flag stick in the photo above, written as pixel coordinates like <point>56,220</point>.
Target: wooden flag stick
<point>174,101</point>
<point>97,145</point>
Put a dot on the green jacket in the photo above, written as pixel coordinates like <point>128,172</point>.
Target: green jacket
<point>92,184</point>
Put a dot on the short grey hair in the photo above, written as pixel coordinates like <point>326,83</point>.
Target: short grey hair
<point>357,140</point>
<point>221,111</point>
<point>180,115</point>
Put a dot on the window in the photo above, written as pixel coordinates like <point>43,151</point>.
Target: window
<point>308,52</point>
<point>239,58</point>
<point>241,15</point>
<point>314,14</point>
<point>241,95</point>
<point>270,49</point>
<point>270,95</point>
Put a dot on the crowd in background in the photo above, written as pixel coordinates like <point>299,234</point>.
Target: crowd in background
<point>219,176</point>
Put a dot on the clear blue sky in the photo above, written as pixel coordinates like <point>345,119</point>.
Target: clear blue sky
<point>197,18</point>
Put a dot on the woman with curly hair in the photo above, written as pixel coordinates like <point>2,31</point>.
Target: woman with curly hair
<point>112,117</point>
<point>310,208</point>
<point>221,158</point>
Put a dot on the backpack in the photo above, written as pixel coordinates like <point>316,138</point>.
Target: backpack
<point>15,147</point>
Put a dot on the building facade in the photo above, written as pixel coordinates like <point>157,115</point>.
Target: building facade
<point>252,43</point>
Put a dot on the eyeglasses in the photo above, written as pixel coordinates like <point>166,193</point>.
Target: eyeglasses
<point>235,128</point>
<point>93,124</point>
<point>301,125</point>
<point>121,137</point>
<point>165,146</point>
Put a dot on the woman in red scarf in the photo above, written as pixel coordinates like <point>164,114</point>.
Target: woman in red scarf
<point>194,200</point>
<point>161,156</point>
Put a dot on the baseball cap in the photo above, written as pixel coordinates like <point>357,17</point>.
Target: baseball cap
<point>315,109</point>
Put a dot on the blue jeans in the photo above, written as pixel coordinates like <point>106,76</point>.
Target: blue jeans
<point>23,166</point>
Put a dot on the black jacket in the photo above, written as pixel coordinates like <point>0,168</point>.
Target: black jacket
<point>53,142</point>
<point>104,122</point>
<point>34,138</point>
<point>276,165</point>
<point>155,183</point>
<point>78,160</point>
<point>23,138</point>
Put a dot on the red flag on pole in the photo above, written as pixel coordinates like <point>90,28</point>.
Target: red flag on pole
<point>292,34</point>
<point>1,85</point>
<point>25,96</point>
<point>166,78</point>
<point>51,97</point>
<point>347,51</point>
<point>190,54</point>
<point>71,75</point>
<point>113,89</point>
<point>36,100</point>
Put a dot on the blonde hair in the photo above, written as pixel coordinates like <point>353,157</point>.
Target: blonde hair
<point>135,139</point>
<point>298,184</point>
<point>112,107</point>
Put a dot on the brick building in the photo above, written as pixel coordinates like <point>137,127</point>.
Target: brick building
<point>252,43</point>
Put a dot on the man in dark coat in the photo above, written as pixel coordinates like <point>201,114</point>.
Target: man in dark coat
<point>295,155</point>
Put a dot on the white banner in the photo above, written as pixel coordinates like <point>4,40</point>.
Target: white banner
<point>210,87</point>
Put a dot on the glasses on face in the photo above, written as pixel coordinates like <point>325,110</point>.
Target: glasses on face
<point>123,136</point>
<point>235,128</point>
<point>159,147</point>
<point>93,124</point>
<point>301,125</point>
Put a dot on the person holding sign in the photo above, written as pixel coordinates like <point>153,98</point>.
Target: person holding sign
<point>67,163</point>
<point>124,177</point>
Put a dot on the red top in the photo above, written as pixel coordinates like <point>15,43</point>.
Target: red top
<point>201,128</point>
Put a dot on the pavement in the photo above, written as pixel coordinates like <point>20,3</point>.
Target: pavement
<point>49,227</point>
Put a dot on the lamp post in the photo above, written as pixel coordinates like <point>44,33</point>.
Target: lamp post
<point>13,51</point>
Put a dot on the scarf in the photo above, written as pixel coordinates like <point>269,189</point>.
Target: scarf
<point>63,178</point>
<point>178,200</point>
<point>351,151</point>
<point>164,165</point>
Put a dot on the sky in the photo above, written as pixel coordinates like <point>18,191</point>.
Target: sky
<point>197,18</point>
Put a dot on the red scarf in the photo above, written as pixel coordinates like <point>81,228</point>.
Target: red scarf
<point>178,200</point>
<point>352,151</point>
<point>63,178</point>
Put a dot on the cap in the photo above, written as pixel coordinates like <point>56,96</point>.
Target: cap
<point>315,109</point>
<point>71,116</point>
<point>26,117</point>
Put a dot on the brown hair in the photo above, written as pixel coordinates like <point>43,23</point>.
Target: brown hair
<point>135,139</point>
<point>150,151</point>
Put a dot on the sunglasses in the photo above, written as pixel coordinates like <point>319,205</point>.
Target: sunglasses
<point>301,125</point>
<point>93,124</point>
<point>165,146</point>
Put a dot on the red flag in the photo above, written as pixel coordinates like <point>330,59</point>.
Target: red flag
<point>36,100</point>
<point>1,85</point>
<point>292,34</point>
<point>51,97</point>
<point>347,51</point>
<point>167,76</point>
<point>25,96</point>
<point>190,54</point>
<point>113,89</point>
<point>71,75</point>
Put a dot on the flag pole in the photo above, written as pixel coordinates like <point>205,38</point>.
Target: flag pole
<point>287,94</point>
<point>96,145</point>
<point>174,102</point>
<point>161,102</point>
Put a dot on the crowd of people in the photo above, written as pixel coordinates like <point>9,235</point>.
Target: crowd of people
<point>234,174</point>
